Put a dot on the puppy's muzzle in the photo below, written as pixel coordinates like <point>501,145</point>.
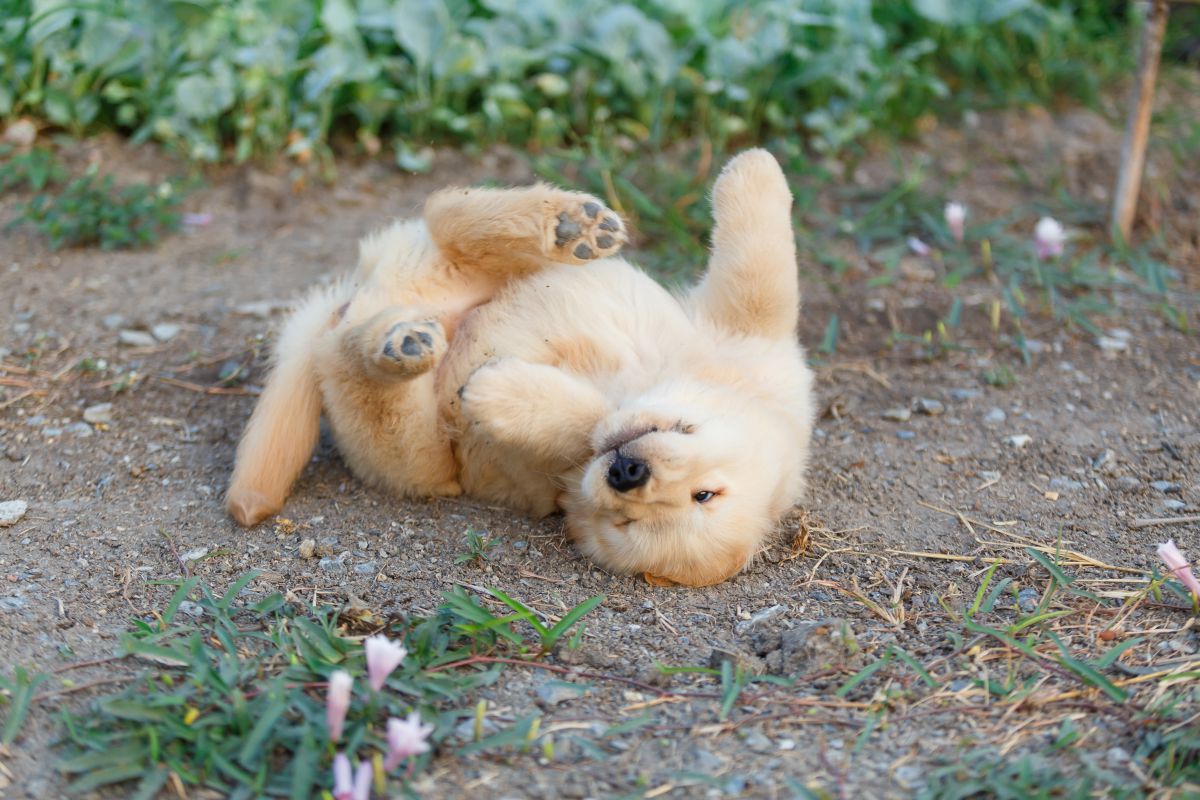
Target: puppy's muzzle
<point>627,473</point>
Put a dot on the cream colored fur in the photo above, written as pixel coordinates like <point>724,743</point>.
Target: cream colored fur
<point>496,348</point>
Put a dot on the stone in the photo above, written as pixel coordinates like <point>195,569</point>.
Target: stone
<point>191,609</point>
<point>994,416</point>
<point>1128,483</point>
<point>1028,599</point>
<point>1166,487</point>
<point>99,414</point>
<point>1064,484</point>
<point>366,568</point>
<point>965,394</point>
<point>929,407</point>
<point>898,414</point>
<point>1105,462</point>
<point>553,692</point>
<point>1174,505</point>
<point>905,435</point>
<point>1018,441</point>
<point>11,512</point>
<point>114,321</point>
<point>308,548</point>
<point>136,339</point>
<point>165,331</point>
<point>1111,345</point>
<point>12,603</point>
<point>910,777</point>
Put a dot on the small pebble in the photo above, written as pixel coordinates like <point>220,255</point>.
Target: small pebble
<point>11,512</point>
<point>366,568</point>
<point>114,321</point>
<point>136,339</point>
<point>165,331</point>
<point>965,394</point>
<point>1111,345</point>
<point>897,414</point>
<point>1028,599</point>
<point>906,435</point>
<point>191,609</point>
<point>1105,462</point>
<point>1064,484</point>
<point>1128,483</point>
<point>994,416</point>
<point>99,414</point>
<point>932,408</point>
<point>1174,505</point>
<point>989,475</point>
<point>308,548</point>
<point>1166,487</point>
<point>1018,441</point>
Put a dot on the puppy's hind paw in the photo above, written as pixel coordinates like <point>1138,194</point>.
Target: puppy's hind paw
<point>584,229</point>
<point>410,348</point>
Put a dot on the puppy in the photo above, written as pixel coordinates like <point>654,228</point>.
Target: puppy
<point>497,348</point>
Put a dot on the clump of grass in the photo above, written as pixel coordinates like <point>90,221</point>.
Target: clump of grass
<point>236,702</point>
<point>93,210</point>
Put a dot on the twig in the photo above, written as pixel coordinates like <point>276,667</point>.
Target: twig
<point>83,687</point>
<point>195,387</point>
<point>1146,522</point>
<point>1133,149</point>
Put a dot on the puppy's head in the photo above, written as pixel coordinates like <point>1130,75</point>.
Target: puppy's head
<point>684,485</point>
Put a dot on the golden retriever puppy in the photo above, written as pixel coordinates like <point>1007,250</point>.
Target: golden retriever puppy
<point>497,348</point>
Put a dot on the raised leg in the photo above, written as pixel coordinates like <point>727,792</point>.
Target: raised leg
<point>283,429</point>
<point>543,411</point>
<point>377,382</point>
<point>752,282</point>
<point>516,231</point>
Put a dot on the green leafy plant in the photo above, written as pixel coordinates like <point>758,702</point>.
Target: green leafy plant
<point>34,169</point>
<point>93,210</point>
<point>478,546</point>
<point>236,701</point>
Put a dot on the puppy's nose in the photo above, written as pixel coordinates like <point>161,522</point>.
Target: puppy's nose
<point>627,473</point>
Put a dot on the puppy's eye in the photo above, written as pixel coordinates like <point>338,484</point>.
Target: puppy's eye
<point>703,497</point>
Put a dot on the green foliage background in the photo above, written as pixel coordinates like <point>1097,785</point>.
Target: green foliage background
<point>232,80</point>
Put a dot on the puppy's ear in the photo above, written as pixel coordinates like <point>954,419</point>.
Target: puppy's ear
<point>285,424</point>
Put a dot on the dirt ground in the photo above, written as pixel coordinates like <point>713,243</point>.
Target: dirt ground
<point>113,506</point>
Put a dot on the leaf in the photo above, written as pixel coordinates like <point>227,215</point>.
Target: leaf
<point>233,591</point>
<point>252,751</point>
<point>21,688</point>
<point>863,674</point>
<point>829,341</point>
<point>421,28</point>
<point>571,617</point>
<point>177,599</point>
<point>967,13</point>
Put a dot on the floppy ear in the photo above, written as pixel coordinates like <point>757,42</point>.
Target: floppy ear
<point>286,421</point>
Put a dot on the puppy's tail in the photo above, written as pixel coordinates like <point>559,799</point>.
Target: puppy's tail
<point>285,424</point>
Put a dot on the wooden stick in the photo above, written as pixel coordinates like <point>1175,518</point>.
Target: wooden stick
<point>1146,522</point>
<point>1133,149</point>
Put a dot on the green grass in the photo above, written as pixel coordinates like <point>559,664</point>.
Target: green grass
<point>231,697</point>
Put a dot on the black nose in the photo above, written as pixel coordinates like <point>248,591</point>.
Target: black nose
<point>627,473</point>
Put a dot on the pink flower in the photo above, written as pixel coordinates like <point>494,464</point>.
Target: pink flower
<point>1049,238</point>
<point>197,220</point>
<point>343,780</point>
<point>918,247</point>
<point>337,702</point>
<point>956,217</point>
<point>1179,565</point>
<point>406,737</point>
<point>383,656</point>
<point>362,781</point>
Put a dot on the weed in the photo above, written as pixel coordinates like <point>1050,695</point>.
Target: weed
<point>478,546</point>
<point>93,210</point>
<point>238,704</point>
<point>33,170</point>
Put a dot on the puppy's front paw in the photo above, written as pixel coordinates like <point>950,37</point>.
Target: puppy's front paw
<point>584,229</point>
<point>490,398</point>
<point>410,348</point>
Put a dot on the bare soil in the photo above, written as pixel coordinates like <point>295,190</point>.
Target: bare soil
<point>115,506</point>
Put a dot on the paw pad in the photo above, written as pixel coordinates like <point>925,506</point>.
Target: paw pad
<point>585,231</point>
